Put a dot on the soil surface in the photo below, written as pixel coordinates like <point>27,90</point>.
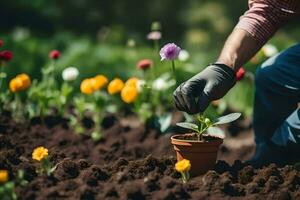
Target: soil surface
<point>133,163</point>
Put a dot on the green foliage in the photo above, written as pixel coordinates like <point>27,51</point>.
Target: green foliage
<point>204,124</point>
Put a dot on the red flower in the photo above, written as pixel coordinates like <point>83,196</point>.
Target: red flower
<point>144,64</point>
<point>1,43</point>
<point>54,54</point>
<point>240,74</point>
<point>6,55</point>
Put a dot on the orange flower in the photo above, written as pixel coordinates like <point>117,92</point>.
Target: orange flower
<point>129,93</point>
<point>39,153</point>
<point>20,82</point>
<point>132,81</point>
<point>183,165</point>
<point>26,82</point>
<point>99,82</point>
<point>115,86</point>
<point>144,64</point>
<point>3,176</point>
<point>86,86</point>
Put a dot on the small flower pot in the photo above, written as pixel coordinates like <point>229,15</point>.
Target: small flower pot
<point>201,154</point>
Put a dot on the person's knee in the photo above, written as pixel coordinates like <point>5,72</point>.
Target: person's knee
<point>261,76</point>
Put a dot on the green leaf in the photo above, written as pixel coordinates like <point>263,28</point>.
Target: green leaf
<point>165,122</point>
<point>227,118</point>
<point>215,132</point>
<point>188,125</point>
<point>3,75</point>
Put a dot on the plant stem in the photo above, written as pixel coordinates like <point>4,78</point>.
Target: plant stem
<point>183,177</point>
<point>174,71</point>
<point>1,71</point>
<point>156,58</point>
<point>18,107</point>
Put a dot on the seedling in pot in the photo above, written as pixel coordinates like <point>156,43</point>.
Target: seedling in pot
<point>203,124</point>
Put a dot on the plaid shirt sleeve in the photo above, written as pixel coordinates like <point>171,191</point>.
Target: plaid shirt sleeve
<point>264,17</point>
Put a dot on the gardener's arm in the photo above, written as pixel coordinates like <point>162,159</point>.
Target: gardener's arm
<point>255,28</point>
<point>258,24</point>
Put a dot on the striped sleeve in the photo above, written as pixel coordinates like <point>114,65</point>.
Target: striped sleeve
<point>264,17</point>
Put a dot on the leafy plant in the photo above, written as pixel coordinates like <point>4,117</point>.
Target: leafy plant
<point>7,190</point>
<point>203,124</point>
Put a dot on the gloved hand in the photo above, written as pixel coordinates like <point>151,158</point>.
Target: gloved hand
<point>194,95</point>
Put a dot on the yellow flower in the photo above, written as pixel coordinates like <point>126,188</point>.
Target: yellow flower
<point>183,165</point>
<point>39,153</point>
<point>20,82</point>
<point>26,82</point>
<point>86,86</point>
<point>132,81</point>
<point>15,85</point>
<point>3,176</point>
<point>129,93</point>
<point>115,86</point>
<point>99,82</point>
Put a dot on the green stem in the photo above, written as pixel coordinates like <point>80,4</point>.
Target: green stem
<point>18,107</point>
<point>156,59</point>
<point>185,176</point>
<point>1,71</point>
<point>174,71</point>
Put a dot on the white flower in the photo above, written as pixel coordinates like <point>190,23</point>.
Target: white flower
<point>163,82</point>
<point>70,74</point>
<point>183,55</point>
<point>154,35</point>
<point>269,50</point>
<point>141,84</point>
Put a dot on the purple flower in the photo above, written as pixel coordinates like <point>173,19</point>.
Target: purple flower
<point>154,35</point>
<point>169,52</point>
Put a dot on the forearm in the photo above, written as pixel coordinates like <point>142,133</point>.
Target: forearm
<point>254,29</point>
<point>238,49</point>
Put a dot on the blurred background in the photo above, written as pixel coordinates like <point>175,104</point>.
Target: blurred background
<point>109,36</point>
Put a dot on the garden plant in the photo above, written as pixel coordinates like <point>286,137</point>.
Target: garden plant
<point>91,117</point>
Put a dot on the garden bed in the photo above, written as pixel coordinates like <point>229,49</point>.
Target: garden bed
<point>131,162</point>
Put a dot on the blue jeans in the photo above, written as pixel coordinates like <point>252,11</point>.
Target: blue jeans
<point>276,113</point>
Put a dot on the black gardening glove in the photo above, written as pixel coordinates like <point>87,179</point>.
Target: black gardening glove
<point>194,95</point>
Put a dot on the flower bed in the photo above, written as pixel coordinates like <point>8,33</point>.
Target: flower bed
<point>128,163</point>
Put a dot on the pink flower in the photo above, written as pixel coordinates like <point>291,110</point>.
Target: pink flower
<point>6,55</point>
<point>154,35</point>
<point>54,54</point>
<point>169,52</point>
<point>144,64</point>
<point>240,74</point>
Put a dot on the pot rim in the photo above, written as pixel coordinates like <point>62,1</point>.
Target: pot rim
<point>174,140</point>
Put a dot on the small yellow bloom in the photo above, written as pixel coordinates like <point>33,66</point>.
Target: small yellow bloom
<point>132,81</point>
<point>115,86</point>
<point>86,86</point>
<point>3,176</point>
<point>99,82</point>
<point>15,85</point>
<point>39,153</point>
<point>129,93</point>
<point>26,82</point>
<point>20,82</point>
<point>183,165</point>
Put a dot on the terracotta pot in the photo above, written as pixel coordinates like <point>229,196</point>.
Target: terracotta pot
<point>202,154</point>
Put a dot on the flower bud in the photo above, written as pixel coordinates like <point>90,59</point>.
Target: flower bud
<point>207,122</point>
<point>144,64</point>
<point>54,54</point>
<point>6,55</point>
<point>70,74</point>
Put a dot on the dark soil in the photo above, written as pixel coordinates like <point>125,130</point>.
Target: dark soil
<point>130,163</point>
<point>193,137</point>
